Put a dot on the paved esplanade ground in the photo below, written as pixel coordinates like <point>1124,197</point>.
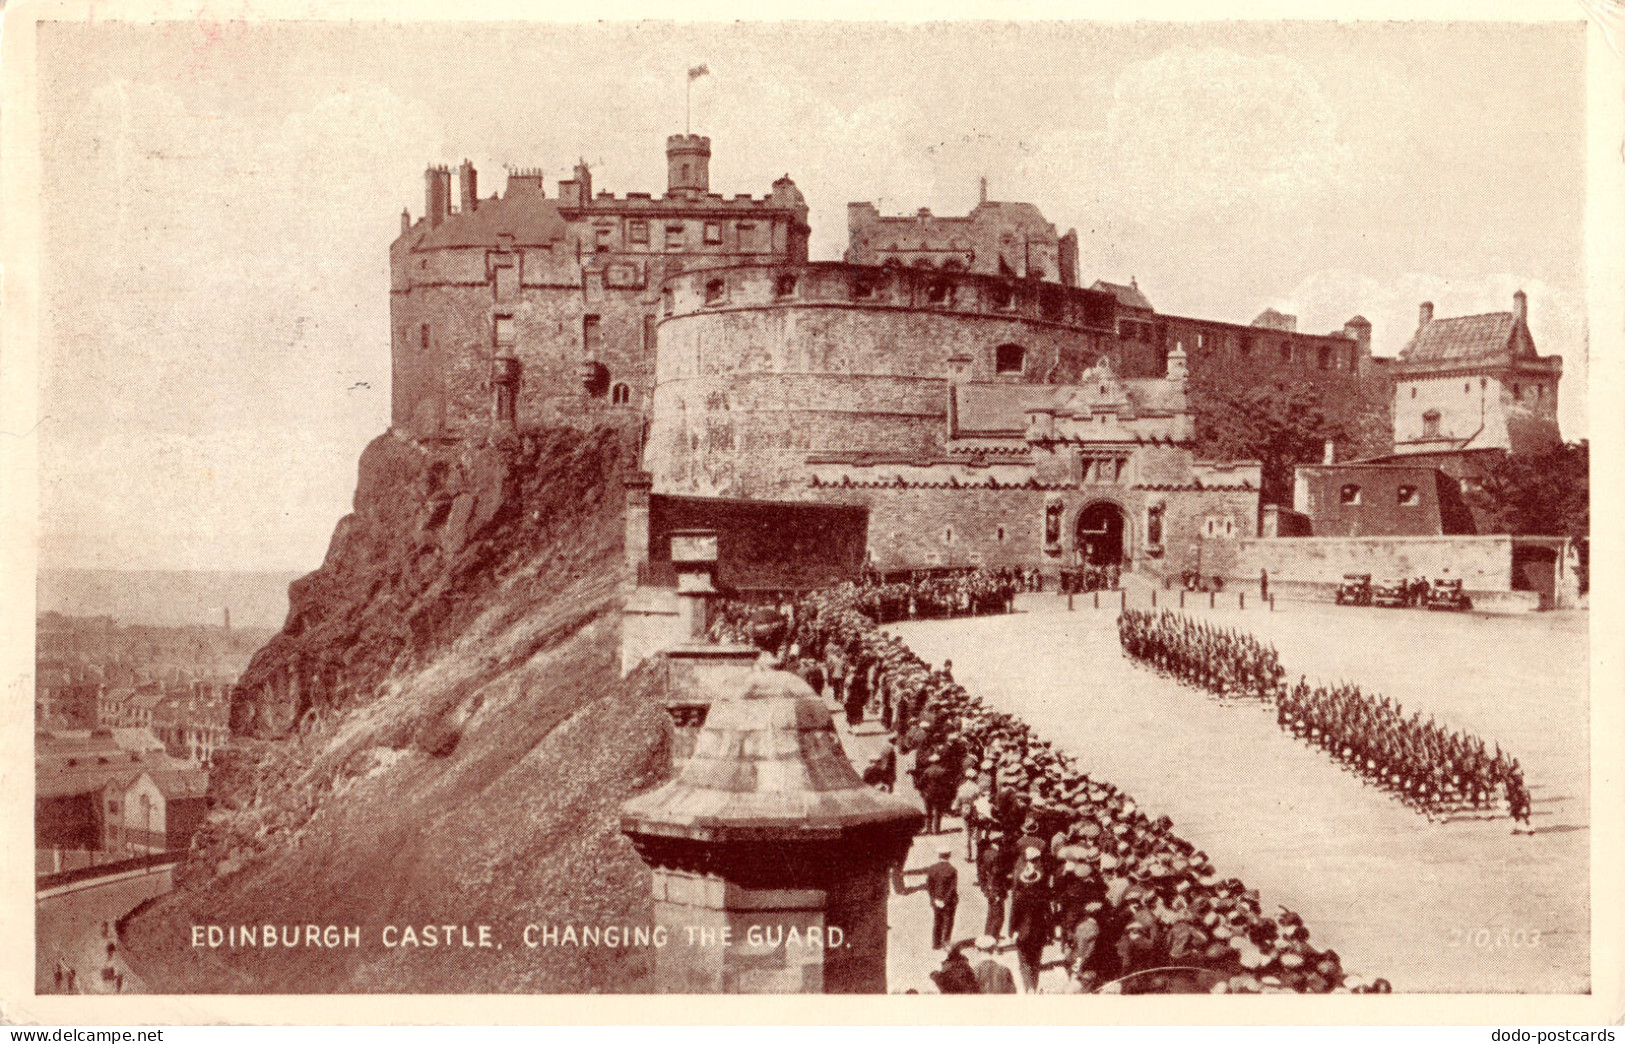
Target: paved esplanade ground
<point>1429,906</point>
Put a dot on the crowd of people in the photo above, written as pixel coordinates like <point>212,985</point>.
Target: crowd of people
<point>1438,771</point>
<point>1062,858</point>
<point>976,592</point>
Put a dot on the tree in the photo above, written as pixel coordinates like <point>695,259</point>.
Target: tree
<point>1280,424</point>
<point>1542,494</point>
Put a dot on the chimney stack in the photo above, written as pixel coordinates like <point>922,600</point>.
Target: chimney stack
<point>406,221</point>
<point>1520,307</point>
<point>984,188</point>
<point>436,194</point>
<point>469,180</point>
<point>1426,313</point>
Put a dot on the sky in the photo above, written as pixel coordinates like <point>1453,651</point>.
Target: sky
<point>219,198</point>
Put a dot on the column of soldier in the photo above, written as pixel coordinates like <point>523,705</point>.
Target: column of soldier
<point>1437,771</point>
<point>1059,855</point>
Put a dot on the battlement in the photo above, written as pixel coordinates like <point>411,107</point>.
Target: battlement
<point>841,284</point>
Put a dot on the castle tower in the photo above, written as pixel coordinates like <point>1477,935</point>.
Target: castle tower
<point>688,165</point>
<point>1475,382</point>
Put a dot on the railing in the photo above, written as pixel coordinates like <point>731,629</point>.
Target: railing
<point>53,882</point>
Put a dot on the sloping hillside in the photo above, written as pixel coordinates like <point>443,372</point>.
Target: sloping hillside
<point>468,769</point>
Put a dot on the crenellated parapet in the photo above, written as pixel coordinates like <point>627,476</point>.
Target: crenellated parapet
<point>840,284</point>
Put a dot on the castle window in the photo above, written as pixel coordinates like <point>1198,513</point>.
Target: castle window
<point>863,286</point>
<point>937,292</point>
<point>1325,357</point>
<point>998,534</point>
<point>602,237</point>
<point>638,232</point>
<point>1008,358</point>
<point>1408,496</point>
<point>1413,391</point>
<point>1201,341</point>
<point>1286,351</point>
<point>648,334</point>
<point>504,331</point>
<point>785,286</point>
<point>1349,494</point>
<point>948,535</point>
<point>715,290</point>
<point>1246,344</point>
<point>620,395</point>
<point>1001,296</point>
<point>713,233</point>
<point>1467,388</point>
<point>1517,391</point>
<point>423,337</point>
<point>674,237</point>
<point>589,336</point>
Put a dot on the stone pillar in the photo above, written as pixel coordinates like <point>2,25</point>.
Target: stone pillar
<point>694,554</point>
<point>771,858</point>
<point>637,523</point>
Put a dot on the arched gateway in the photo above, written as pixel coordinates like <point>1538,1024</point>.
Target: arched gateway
<point>1101,535</point>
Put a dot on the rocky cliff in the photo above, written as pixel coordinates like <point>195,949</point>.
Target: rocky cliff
<point>438,736</point>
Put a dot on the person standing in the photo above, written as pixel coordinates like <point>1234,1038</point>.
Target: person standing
<point>936,789</point>
<point>1030,921</point>
<point>1264,585</point>
<point>993,867</point>
<point>857,694</point>
<point>942,886</point>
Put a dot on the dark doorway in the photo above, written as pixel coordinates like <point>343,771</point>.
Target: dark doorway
<point>1535,569</point>
<point>1100,534</point>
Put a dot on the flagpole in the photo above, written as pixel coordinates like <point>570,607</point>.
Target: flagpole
<point>688,105</point>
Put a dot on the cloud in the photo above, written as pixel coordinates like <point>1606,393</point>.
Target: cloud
<point>1205,135</point>
<point>1326,299</point>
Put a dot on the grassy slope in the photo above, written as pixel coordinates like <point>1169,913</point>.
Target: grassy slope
<point>480,786</point>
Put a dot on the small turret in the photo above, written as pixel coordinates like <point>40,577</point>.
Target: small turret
<point>688,165</point>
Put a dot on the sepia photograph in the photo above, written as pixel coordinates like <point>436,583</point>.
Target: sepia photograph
<point>1078,507</point>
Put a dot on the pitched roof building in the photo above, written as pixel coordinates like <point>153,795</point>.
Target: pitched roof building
<point>1475,382</point>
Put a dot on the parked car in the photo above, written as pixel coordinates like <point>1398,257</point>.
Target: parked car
<point>1355,589</point>
<point>1447,594</point>
<point>1394,594</point>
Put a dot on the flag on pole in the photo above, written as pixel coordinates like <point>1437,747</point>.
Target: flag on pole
<point>698,71</point>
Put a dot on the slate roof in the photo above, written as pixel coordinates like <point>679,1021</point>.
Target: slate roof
<point>998,407</point>
<point>531,218</point>
<point>1127,296</point>
<point>101,758</point>
<point>1461,339</point>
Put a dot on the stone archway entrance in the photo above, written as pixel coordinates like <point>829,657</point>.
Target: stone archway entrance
<point>1100,535</point>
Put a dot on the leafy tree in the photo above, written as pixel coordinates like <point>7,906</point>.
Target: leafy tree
<point>1280,424</point>
<point>1542,494</point>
